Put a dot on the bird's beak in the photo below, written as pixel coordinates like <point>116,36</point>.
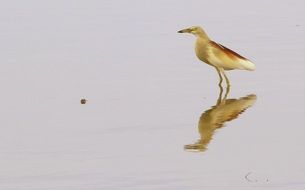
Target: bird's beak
<point>187,30</point>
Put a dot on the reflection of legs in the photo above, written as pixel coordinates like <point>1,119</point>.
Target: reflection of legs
<point>224,74</point>
<point>220,99</point>
<point>227,92</point>
<point>220,95</point>
<point>220,77</point>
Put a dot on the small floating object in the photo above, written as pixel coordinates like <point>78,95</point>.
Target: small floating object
<point>83,101</point>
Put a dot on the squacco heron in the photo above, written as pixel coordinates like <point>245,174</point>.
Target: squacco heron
<point>217,55</point>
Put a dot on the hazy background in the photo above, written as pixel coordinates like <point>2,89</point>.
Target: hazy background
<point>146,91</point>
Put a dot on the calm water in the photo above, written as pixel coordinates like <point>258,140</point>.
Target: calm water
<point>152,120</point>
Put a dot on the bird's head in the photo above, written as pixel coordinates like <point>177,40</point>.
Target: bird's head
<point>196,30</point>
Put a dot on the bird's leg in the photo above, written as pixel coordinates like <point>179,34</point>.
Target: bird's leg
<point>219,100</point>
<point>220,77</point>
<point>227,79</point>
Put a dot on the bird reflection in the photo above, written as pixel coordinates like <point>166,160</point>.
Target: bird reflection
<point>215,118</point>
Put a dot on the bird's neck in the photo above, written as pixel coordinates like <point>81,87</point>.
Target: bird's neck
<point>202,40</point>
<point>202,34</point>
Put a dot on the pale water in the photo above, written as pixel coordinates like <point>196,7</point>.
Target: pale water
<point>152,120</point>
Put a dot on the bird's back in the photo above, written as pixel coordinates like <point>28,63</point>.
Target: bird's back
<point>220,56</point>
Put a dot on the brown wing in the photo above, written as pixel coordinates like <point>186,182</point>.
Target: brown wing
<point>232,54</point>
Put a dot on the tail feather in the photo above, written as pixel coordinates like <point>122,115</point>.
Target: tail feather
<point>247,65</point>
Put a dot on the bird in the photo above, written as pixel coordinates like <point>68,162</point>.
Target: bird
<point>217,55</point>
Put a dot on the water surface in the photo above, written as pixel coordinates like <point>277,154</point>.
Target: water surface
<point>147,94</point>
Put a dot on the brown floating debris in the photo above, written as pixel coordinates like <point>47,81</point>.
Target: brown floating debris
<point>83,101</point>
